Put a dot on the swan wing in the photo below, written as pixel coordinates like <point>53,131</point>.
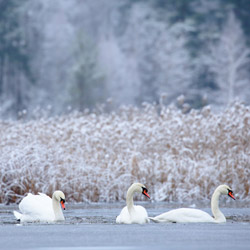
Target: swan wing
<point>184,215</point>
<point>138,215</point>
<point>124,217</point>
<point>36,207</point>
<point>141,215</point>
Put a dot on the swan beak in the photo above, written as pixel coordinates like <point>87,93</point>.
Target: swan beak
<point>231,195</point>
<point>145,193</point>
<point>63,205</point>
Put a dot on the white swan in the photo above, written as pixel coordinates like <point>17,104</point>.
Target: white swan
<point>41,208</point>
<point>133,214</point>
<point>186,215</point>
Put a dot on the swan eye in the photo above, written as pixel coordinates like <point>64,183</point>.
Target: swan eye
<point>62,200</point>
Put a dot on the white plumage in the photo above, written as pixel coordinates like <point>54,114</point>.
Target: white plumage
<point>138,215</point>
<point>131,213</point>
<point>41,208</point>
<point>186,215</point>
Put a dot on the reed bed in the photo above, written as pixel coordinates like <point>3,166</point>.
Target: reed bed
<point>94,157</point>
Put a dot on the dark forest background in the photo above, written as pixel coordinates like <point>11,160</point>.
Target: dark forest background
<point>61,55</point>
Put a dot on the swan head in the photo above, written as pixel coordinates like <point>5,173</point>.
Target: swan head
<point>226,190</point>
<point>60,197</point>
<point>140,188</point>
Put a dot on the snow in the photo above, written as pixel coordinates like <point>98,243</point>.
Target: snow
<point>95,157</point>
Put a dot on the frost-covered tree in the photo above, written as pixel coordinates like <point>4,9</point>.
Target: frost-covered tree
<point>51,35</point>
<point>174,60</point>
<point>139,42</point>
<point>14,59</point>
<point>87,87</point>
<point>229,61</point>
<point>161,59</point>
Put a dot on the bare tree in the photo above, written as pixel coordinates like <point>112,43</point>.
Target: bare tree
<point>229,61</point>
<point>174,60</point>
<point>162,62</point>
<point>87,87</point>
<point>15,75</point>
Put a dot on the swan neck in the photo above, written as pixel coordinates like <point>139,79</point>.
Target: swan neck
<point>57,209</point>
<point>129,199</point>
<point>218,215</point>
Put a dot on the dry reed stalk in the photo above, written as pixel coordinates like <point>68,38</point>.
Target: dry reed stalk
<point>95,157</point>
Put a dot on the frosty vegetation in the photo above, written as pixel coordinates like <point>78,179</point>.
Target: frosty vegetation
<point>94,157</point>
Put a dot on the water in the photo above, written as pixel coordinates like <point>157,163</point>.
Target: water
<point>93,226</point>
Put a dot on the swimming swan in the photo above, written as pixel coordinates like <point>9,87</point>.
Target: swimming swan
<point>134,214</point>
<point>41,208</point>
<point>186,215</point>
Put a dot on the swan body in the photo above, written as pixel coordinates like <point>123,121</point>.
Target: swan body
<point>186,215</point>
<point>41,208</point>
<point>131,213</point>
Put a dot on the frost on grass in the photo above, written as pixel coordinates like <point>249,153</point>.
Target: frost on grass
<point>95,157</point>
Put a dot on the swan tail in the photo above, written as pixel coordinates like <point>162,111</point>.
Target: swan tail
<point>17,215</point>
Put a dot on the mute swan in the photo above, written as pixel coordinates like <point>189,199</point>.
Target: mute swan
<point>134,214</point>
<point>41,208</point>
<point>186,215</point>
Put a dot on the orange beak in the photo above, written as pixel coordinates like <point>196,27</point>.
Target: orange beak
<point>231,195</point>
<point>145,193</point>
<point>63,205</point>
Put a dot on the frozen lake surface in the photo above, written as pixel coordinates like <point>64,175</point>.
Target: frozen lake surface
<point>92,226</point>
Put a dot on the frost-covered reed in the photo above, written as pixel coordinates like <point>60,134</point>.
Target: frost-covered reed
<point>95,157</point>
